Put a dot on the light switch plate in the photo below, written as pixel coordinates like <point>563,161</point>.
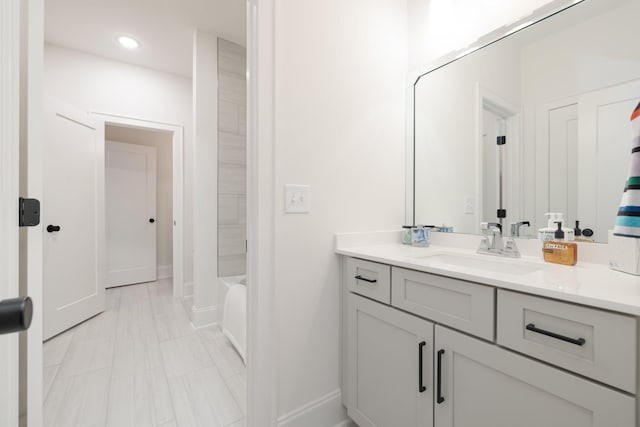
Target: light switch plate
<point>297,198</point>
<point>468,205</point>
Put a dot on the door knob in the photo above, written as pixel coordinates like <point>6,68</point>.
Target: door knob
<point>53,228</point>
<point>15,315</point>
<point>151,220</point>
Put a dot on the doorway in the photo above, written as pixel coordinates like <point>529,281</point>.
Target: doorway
<point>106,104</point>
<point>168,142</point>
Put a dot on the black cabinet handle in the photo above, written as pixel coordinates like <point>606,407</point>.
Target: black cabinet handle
<point>53,228</point>
<point>421,387</point>
<point>439,379</point>
<point>359,277</point>
<point>577,341</point>
<point>15,315</point>
<point>151,220</point>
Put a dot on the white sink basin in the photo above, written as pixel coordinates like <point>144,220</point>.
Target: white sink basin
<point>484,262</point>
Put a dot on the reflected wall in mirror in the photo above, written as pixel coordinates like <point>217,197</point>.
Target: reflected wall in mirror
<point>561,92</point>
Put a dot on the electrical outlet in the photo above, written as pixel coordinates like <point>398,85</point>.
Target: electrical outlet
<point>468,205</point>
<point>297,198</point>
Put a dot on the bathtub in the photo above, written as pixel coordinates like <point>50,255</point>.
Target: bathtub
<point>232,317</point>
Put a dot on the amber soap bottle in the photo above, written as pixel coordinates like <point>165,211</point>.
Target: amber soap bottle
<point>558,251</point>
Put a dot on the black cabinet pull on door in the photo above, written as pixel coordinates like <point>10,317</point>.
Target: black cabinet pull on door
<point>440,398</point>
<point>151,220</point>
<point>53,228</point>
<point>421,386</point>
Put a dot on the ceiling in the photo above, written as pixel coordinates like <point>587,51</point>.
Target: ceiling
<point>163,27</point>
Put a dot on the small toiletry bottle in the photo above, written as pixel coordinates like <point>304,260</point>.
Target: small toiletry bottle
<point>420,236</point>
<point>548,232</point>
<point>569,233</point>
<point>558,251</point>
<point>576,231</point>
<point>406,234</point>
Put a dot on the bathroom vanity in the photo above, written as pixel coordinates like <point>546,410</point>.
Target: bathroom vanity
<point>441,336</point>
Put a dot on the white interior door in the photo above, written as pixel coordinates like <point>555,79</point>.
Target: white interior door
<point>604,132</point>
<point>556,161</point>
<point>131,213</point>
<point>563,162</point>
<point>9,185</point>
<point>74,202</point>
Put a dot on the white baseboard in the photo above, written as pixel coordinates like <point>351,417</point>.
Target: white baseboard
<point>204,316</point>
<point>322,412</point>
<point>164,271</point>
<point>187,289</point>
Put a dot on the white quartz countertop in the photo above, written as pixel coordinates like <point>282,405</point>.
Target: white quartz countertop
<point>590,284</point>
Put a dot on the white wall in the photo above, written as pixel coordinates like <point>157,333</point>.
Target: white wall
<point>438,27</point>
<point>340,94</point>
<point>97,84</point>
<point>205,108</point>
<point>162,142</point>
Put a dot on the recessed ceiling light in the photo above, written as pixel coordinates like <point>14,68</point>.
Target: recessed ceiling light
<point>128,42</point>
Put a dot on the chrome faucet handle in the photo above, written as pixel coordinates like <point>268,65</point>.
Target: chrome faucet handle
<point>484,244</point>
<point>515,227</point>
<point>511,249</point>
<point>494,225</point>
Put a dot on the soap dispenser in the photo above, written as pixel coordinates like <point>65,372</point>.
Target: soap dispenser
<point>559,251</point>
<point>569,233</point>
<point>548,232</point>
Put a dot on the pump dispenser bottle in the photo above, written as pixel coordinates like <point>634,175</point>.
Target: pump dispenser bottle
<point>558,250</point>
<point>548,232</point>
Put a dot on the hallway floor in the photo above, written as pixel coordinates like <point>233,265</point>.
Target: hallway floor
<point>140,363</point>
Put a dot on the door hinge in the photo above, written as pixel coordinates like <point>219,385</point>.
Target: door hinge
<point>501,140</point>
<point>28,212</point>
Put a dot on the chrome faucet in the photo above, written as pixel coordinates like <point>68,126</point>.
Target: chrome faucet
<point>515,227</point>
<point>492,243</point>
<point>496,236</point>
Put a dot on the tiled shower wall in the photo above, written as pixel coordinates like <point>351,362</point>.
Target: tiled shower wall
<point>232,159</point>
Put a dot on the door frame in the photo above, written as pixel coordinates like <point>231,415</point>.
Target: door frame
<point>10,27</point>
<point>487,100</point>
<point>262,378</point>
<point>177,145</point>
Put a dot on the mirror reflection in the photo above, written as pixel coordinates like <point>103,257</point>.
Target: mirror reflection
<point>536,122</point>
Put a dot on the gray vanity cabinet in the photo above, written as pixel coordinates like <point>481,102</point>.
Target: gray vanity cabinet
<point>483,385</point>
<point>406,364</point>
<point>388,350</point>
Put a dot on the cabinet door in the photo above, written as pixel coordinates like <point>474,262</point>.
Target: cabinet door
<point>387,352</point>
<point>486,386</point>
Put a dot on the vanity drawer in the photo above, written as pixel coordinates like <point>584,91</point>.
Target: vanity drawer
<point>591,342</point>
<point>369,279</point>
<point>461,305</point>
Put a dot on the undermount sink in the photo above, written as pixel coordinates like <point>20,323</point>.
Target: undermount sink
<point>483,262</point>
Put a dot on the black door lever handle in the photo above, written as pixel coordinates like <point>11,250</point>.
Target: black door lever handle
<point>15,315</point>
<point>53,228</point>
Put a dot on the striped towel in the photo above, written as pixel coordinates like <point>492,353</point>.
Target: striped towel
<point>628,219</point>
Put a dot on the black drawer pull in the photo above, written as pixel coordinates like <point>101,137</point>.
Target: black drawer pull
<point>359,277</point>
<point>421,387</point>
<point>439,379</point>
<point>579,341</point>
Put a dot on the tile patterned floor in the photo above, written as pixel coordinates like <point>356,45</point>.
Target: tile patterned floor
<point>140,363</point>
